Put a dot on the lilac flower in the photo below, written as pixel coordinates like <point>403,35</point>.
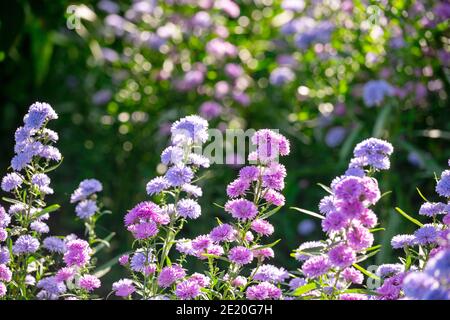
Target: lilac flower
<point>201,243</point>
<point>179,175</point>
<point>65,274</point>
<point>223,232</point>
<point>439,267</point>
<point>262,227</point>
<point>210,110</point>
<point>307,247</point>
<point>389,270</point>
<point>316,266</point>
<point>191,129</point>
<point>143,230</point>
<point>417,284</point>
<point>187,290</point>
<point>5,273</point>
<point>184,246</point>
<point>375,91</point>
<point>263,291</point>
<point>432,209</point>
<point>403,240</point>
<point>5,219</point>
<point>296,283</point>
<point>293,5</point>
<point>52,286</point>
<point>239,281</point>
<point>192,190</point>
<point>189,209</point>
<point>443,185</point>
<point>198,160</point>
<point>172,155</point>
<point>426,234</point>
<point>89,282</point>
<point>54,244</point>
<point>273,176</point>
<point>3,289</point>
<point>202,280</point>
<point>270,273</point>
<point>169,275</point>
<point>140,260</point>
<point>241,209</point>
<point>86,209</point>
<point>374,152</point>
<point>123,287</point>
<point>238,188</point>
<point>39,227</point>
<point>335,136</point>
<point>281,76</point>
<point>249,173</point>
<point>240,255</point>
<point>342,256</point>
<point>352,275</point>
<point>38,114</point>
<point>156,185</point>
<point>124,260</point>
<point>78,253</point>
<point>359,237</point>
<point>86,188</point>
<point>11,181</point>
<point>4,255</point>
<point>334,221</point>
<point>25,244</point>
<point>326,205</point>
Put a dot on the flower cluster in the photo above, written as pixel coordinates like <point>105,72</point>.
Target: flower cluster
<point>347,220</point>
<point>150,222</point>
<point>254,197</point>
<point>426,250</point>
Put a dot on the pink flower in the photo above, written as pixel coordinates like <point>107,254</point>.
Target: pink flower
<point>241,209</point>
<point>237,188</point>
<point>78,253</point>
<point>240,255</point>
<point>123,287</point>
<point>342,256</point>
<point>274,197</point>
<point>89,282</point>
<point>262,227</point>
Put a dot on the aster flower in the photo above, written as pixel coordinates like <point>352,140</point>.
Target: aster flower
<point>156,185</point>
<point>374,152</point>
<point>187,290</point>
<point>179,175</point>
<point>263,291</point>
<point>389,270</point>
<point>443,185</point>
<point>11,181</point>
<point>191,129</point>
<point>238,188</point>
<point>25,244</point>
<point>89,282</point>
<point>223,232</point>
<point>241,209</point>
<point>169,275</point>
<point>85,189</point>
<point>240,255</point>
<point>426,234</point>
<point>342,256</point>
<point>78,253</point>
<point>51,286</point>
<point>316,266</point>
<point>432,209</point>
<point>123,288</point>
<point>270,273</point>
<point>54,244</point>
<point>262,227</point>
<point>375,91</point>
<point>86,209</point>
<point>65,274</point>
<point>188,208</point>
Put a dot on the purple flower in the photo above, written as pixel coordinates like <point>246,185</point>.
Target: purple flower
<point>86,209</point>
<point>403,240</point>
<point>65,274</point>
<point>432,209</point>
<point>249,173</point>
<point>443,185</point>
<point>78,253</point>
<point>237,188</point>
<point>54,244</point>
<point>375,91</point>
<point>11,181</point>
<point>156,185</point>
<point>201,243</point>
<point>51,285</point>
<point>240,255</point>
<point>123,287</point>
<point>223,232</point>
<point>296,283</point>
<point>270,273</point>
<point>439,267</point>
<point>262,227</point>
<point>3,289</point>
<point>140,260</point>
<point>187,290</point>
<point>352,275</point>
<point>316,266</point>
<point>416,285</point>
<point>172,155</point>
<point>426,235</point>
<point>334,221</point>
<point>374,152</point>
<point>281,76</point>
<point>25,244</point>
<point>192,190</point>
<point>5,273</point>
<point>4,255</point>
<point>179,175</point>
<point>342,256</point>
<point>210,110</point>
<point>202,280</point>
<point>191,129</point>
<point>169,275</point>
<point>241,209</point>
<point>86,188</point>
<point>263,291</point>
<point>273,176</point>
<point>5,219</point>
<point>39,227</point>
<point>189,209</point>
<point>38,114</point>
<point>389,270</point>
<point>359,237</point>
<point>89,282</point>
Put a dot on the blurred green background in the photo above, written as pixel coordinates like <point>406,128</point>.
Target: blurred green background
<point>115,81</point>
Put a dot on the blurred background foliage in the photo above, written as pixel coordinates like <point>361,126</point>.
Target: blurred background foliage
<point>119,73</point>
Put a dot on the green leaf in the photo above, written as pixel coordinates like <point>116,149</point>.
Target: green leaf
<point>267,245</point>
<point>13,201</point>
<point>324,187</point>
<point>380,123</point>
<point>49,209</point>
<point>367,256</point>
<point>270,213</point>
<point>421,195</point>
<point>218,205</point>
<point>105,268</point>
<point>377,229</point>
<point>415,221</point>
<point>304,289</point>
<point>367,273</point>
<point>385,194</point>
<point>311,213</point>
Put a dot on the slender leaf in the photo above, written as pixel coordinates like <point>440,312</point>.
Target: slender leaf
<point>304,289</point>
<point>367,273</point>
<point>311,213</point>
<point>415,221</point>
